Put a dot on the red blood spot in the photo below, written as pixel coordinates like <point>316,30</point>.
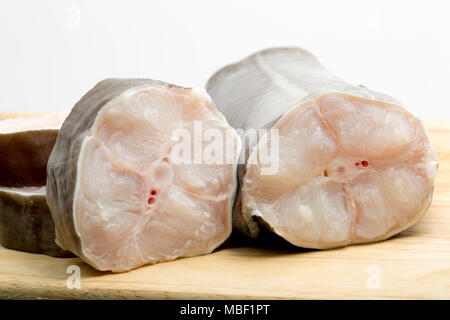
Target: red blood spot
<point>153,192</point>
<point>365,163</point>
<point>151,200</point>
<point>325,173</point>
<point>357,164</point>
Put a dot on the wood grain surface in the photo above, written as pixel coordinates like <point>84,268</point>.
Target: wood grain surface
<point>412,265</point>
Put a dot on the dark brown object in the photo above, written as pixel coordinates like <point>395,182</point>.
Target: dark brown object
<point>26,223</point>
<point>23,157</point>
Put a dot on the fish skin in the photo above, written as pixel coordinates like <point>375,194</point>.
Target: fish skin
<point>26,223</point>
<point>23,157</point>
<point>260,90</point>
<point>300,76</point>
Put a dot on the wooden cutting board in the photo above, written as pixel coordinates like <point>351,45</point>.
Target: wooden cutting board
<point>412,265</point>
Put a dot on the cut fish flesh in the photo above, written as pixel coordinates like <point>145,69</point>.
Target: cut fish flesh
<point>352,165</point>
<point>25,145</point>
<point>26,223</point>
<point>119,197</point>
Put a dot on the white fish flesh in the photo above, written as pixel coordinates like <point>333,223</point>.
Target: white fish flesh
<point>118,198</point>
<point>354,166</point>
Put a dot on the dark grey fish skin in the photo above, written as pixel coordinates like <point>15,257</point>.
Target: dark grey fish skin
<point>23,157</point>
<point>270,82</point>
<point>26,223</point>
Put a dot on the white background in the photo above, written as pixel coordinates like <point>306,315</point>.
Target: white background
<point>52,52</point>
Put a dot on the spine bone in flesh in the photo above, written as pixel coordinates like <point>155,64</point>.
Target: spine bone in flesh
<point>26,223</point>
<point>353,165</point>
<point>119,197</point>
